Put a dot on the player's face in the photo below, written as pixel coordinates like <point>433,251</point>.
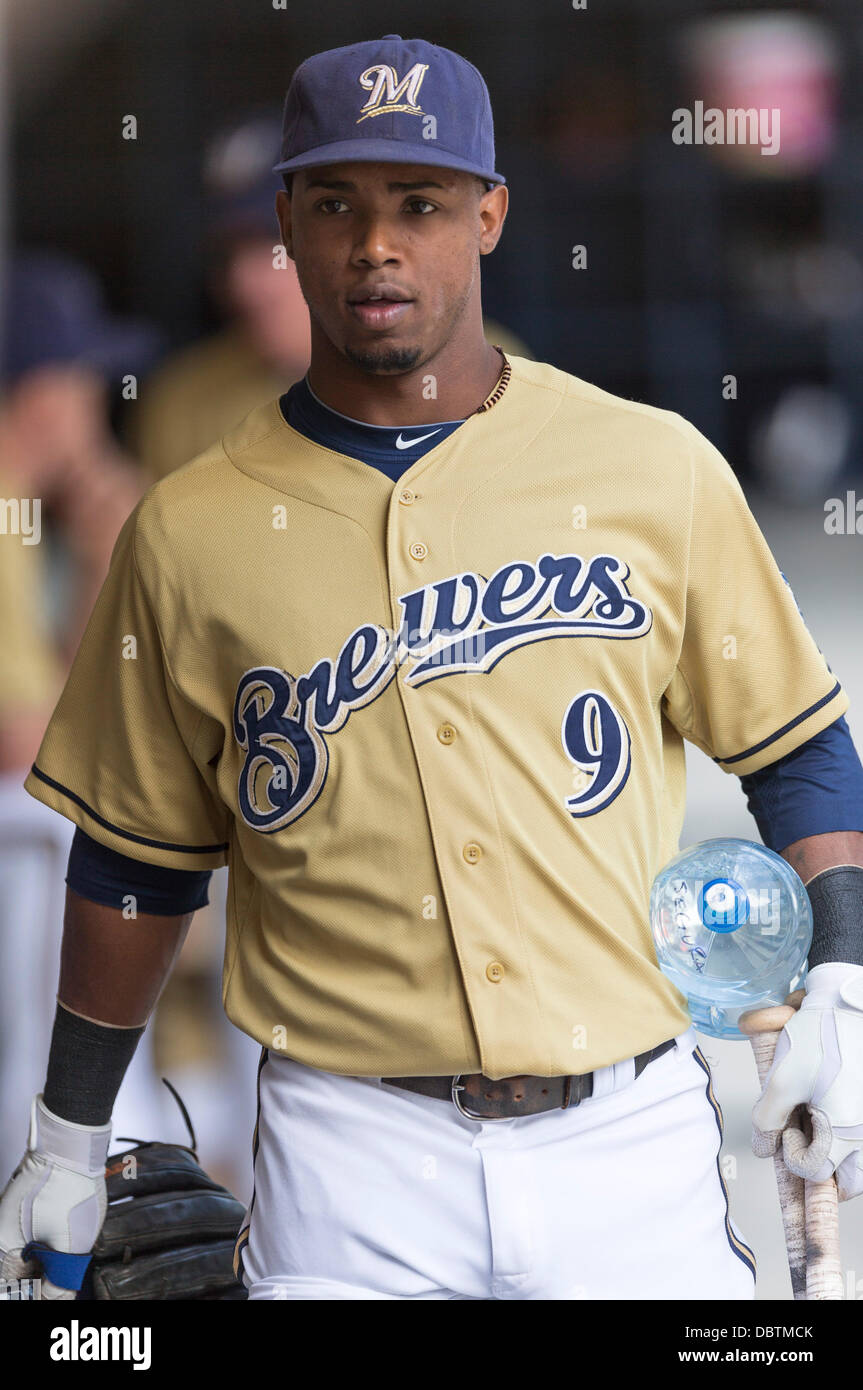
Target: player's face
<point>387,256</point>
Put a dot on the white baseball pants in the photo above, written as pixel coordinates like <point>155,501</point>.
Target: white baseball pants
<point>366,1191</point>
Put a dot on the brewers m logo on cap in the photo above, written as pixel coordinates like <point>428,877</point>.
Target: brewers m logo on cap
<point>382,79</point>
<point>325,117</point>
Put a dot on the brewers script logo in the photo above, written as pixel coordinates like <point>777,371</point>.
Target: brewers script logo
<point>383,83</point>
<point>465,623</point>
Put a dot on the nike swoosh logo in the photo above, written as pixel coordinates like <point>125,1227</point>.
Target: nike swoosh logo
<point>409,443</point>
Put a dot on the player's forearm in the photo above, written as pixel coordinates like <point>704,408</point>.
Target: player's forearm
<point>112,971</point>
<point>114,968</point>
<point>815,853</point>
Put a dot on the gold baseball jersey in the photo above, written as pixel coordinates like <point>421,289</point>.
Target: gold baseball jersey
<point>436,729</point>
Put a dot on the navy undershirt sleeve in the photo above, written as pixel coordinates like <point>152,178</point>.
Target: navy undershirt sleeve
<point>815,790</point>
<point>102,875</point>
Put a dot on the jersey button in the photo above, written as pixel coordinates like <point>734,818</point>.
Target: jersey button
<point>495,972</point>
<point>472,852</point>
<point>419,551</point>
<point>446,733</point>
<point>407,496</point>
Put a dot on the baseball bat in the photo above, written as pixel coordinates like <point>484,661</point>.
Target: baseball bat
<point>810,1210</point>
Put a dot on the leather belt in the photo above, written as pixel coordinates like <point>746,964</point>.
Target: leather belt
<point>480,1098</point>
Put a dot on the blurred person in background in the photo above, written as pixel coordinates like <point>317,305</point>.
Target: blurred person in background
<point>66,487</point>
<point>264,343</point>
<point>56,446</point>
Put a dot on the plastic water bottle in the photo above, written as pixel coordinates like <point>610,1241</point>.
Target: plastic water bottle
<point>732,923</point>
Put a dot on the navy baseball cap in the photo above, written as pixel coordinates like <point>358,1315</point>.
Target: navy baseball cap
<point>396,100</point>
<point>238,178</point>
<point>54,312</point>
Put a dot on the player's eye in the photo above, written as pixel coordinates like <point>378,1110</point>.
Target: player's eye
<point>421,206</point>
<point>329,205</point>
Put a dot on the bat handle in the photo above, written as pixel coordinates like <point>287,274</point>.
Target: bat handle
<point>809,1210</point>
<point>823,1263</point>
<point>791,1188</point>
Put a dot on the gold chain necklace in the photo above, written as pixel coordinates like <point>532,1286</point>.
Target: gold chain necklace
<point>500,385</point>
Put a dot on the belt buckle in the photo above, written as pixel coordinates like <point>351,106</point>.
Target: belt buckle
<point>486,1119</point>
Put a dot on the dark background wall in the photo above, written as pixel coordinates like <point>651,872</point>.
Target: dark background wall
<point>582,102</point>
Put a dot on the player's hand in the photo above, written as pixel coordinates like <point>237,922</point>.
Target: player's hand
<point>819,1064</point>
<point>56,1196</point>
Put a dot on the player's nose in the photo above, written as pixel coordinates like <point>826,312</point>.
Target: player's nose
<point>376,242</point>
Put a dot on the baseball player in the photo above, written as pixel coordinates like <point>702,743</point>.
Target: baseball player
<point>415,650</point>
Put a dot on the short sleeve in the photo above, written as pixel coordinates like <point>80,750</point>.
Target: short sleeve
<point>750,684</point>
<point>118,757</point>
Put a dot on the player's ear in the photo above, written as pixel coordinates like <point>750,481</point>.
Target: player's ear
<point>492,212</point>
<point>283,212</point>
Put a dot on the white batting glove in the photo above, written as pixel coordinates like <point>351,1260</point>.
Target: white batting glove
<point>819,1063</point>
<point>57,1197</point>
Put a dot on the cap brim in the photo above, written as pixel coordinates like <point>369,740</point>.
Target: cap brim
<point>365,151</point>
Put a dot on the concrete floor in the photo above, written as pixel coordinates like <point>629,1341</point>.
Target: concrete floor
<point>826,574</point>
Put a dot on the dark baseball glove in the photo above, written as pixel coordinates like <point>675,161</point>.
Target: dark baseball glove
<point>169,1231</point>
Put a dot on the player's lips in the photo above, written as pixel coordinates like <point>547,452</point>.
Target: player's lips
<point>379,306</point>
